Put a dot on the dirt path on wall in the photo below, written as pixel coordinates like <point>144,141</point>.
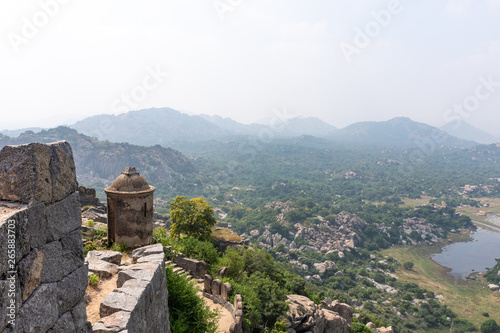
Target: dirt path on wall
<point>97,295</point>
<point>225,317</point>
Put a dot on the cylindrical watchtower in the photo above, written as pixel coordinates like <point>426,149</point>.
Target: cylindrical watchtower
<point>130,209</point>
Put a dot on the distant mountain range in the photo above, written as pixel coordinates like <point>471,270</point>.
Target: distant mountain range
<point>463,130</point>
<point>168,127</point>
<point>104,161</point>
<point>400,132</point>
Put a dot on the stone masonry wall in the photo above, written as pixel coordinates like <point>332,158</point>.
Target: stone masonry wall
<point>42,273</point>
<point>140,301</point>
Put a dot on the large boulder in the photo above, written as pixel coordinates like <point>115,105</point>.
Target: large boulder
<point>493,287</point>
<point>305,316</point>
<point>325,266</point>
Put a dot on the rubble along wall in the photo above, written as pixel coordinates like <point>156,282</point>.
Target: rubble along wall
<point>42,273</point>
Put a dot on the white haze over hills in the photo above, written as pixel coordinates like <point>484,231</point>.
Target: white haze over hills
<point>340,61</point>
<point>166,122</point>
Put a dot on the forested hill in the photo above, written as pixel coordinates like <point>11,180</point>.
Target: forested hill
<point>171,128</point>
<point>98,161</point>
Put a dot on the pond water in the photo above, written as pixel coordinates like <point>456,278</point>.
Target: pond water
<point>476,255</point>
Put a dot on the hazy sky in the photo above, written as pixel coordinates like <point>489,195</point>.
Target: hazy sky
<point>342,61</point>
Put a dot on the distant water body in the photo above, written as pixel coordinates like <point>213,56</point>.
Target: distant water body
<point>476,255</point>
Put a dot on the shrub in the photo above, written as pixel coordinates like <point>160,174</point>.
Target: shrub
<point>368,306</point>
<point>408,265</point>
<point>490,326</point>
<point>462,325</point>
<point>194,248</point>
<point>188,312</point>
<point>93,280</point>
<point>90,223</point>
<point>357,327</point>
<point>120,247</point>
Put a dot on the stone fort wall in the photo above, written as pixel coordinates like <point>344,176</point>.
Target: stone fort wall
<point>42,273</point>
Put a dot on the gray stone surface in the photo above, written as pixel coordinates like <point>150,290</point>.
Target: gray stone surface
<point>195,267</point>
<point>30,272</point>
<point>79,315</point>
<point>207,283</point>
<point>39,313</point>
<point>147,250</point>
<point>64,324</point>
<point>115,322</point>
<point>72,251</point>
<point>113,257</point>
<point>37,172</point>
<point>52,258</point>
<point>155,258</point>
<point>49,250</point>
<point>126,275</point>
<point>63,217</point>
<point>216,285</point>
<point>143,294</point>
<point>101,268</point>
<point>37,223</point>
<point>71,289</point>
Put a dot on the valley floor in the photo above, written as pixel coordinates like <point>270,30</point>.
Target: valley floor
<point>468,299</point>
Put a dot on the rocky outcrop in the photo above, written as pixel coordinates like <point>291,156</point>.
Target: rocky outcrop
<point>415,228</point>
<point>140,301</point>
<point>102,161</point>
<point>326,236</point>
<point>42,273</point>
<point>305,316</point>
<point>374,328</point>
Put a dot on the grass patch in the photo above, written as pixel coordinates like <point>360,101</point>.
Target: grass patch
<point>424,200</point>
<point>225,234</point>
<point>468,299</point>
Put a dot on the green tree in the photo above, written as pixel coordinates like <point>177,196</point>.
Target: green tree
<point>490,326</point>
<point>408,265</point>
<point>193,217</point>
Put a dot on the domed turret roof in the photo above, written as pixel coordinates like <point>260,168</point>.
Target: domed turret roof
<point>130,181</point>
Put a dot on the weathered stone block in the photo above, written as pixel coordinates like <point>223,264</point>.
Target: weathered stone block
<point>36,225</point>
<point>52,270</point>
<point>124,276</point>
<point>14,224</point>
<point>72,251</point>
<point>226,291</point>
<point>197,268</point>
<point>147,250</point>
<point>64,324</point>
<point>113,257</point>
<point>116,322</point>
<point>115,302</point>
<point>63,217</point>
<point>207,285</point>
<point>155,258</point>
<point>37,172</point>
<point>71,289</point>
<point>5,303</point>
<point>79,314</point>
<point>216,285</point>
<point>101,268</point>
<point>39,313</point>
<point>30,272</point>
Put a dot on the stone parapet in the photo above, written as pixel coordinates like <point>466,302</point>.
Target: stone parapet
<point>140,301</point>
